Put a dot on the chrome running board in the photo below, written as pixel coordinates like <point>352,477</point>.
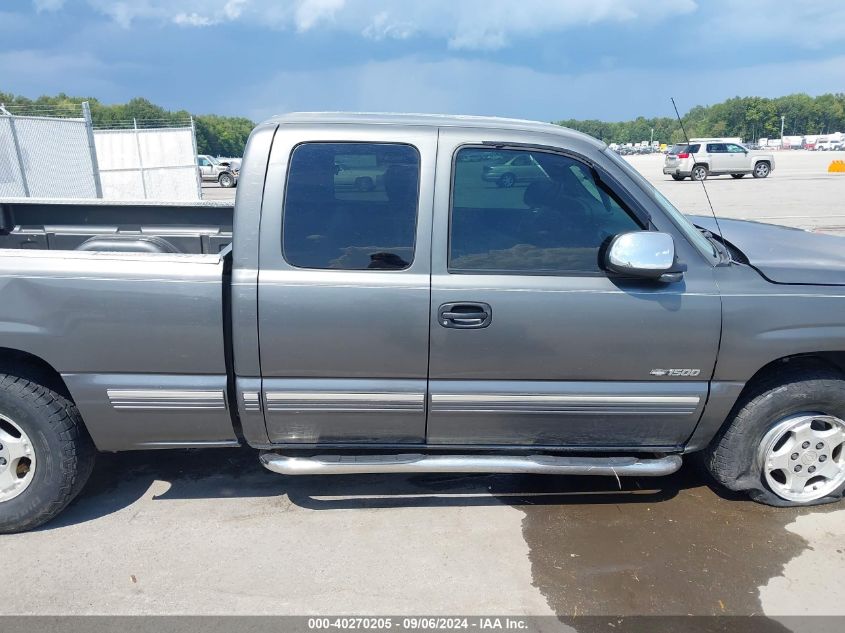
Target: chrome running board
<point>422,463</point>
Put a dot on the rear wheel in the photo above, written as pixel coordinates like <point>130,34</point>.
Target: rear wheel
<point>699,172</point>
<point>737,175</point>
<point>46,454</point>
<point>677,177</point>
<point>784,445</point>
<point>507,180</point>
<point>762,169</point>
<point>364,184</point>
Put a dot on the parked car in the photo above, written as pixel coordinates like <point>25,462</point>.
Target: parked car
<point>361,178</point>
<point>212,170</point>
<point>585,326</point>
<point>520,169</point>
<point>699,160</point>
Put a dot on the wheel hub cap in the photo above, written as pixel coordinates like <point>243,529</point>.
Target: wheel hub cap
<point>802,456</point>
<point>17,460</point>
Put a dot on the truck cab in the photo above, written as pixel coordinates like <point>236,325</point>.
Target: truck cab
<point>434,320</point>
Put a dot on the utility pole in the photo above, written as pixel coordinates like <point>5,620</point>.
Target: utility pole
<point>782,119</point>
<point>652,138</point>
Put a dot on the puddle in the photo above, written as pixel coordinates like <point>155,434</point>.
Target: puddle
<point>669,546</point>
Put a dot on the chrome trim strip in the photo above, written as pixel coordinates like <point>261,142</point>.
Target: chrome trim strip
<point>344,401</point>
<point>419,463</point>
<point>554,398</point>
<point>252,401</point>
<point>564,403</point>
<point>175,399</point>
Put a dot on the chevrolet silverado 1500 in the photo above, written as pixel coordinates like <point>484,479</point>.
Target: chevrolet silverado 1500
<point>573,322</point>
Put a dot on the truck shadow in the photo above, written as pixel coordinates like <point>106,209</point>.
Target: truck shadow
<point>120,480</point>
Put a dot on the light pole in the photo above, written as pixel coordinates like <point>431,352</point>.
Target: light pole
<point>782,119</point>
<point>652,138</point>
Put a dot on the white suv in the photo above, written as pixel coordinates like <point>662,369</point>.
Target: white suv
<point>699,159</point>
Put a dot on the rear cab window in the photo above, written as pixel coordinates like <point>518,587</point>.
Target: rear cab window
<point>351,206</point>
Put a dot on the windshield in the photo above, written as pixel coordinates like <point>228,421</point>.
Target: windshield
<point>213,160</point>
<point>679,219</point>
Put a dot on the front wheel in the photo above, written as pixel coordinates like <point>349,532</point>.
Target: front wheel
<point>785,442</point>
<point>761,170</point>
<point>46,454</point>
<point>226,180</point>
<point>737,175</point>
<point>699,172</point>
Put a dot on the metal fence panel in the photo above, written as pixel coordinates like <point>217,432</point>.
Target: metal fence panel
<point>11,181</point>
<point>156,164</point>
<point>53,154</point>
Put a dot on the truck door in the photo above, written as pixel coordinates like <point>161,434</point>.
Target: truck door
<point>344,284</point>
<point>531,341</point>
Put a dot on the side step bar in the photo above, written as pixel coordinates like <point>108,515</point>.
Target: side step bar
<point>422,463</point>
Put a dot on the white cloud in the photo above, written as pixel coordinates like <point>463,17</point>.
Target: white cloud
<point>48,5</point>
<point>310,13</point>
<point>192,19</point>
<point>463,24</point>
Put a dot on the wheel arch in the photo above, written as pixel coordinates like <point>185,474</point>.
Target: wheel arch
<point>722,406</point>
<point>31,367</point>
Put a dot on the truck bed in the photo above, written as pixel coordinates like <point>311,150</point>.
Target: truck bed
<point>138,337</point>
<point>145,226</point>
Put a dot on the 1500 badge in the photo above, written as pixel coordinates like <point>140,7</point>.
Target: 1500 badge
<point>675,372</point>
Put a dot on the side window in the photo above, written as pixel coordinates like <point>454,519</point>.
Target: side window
<point>694,149</point>
<point>203,162</point>
<point>735,149</point>
<point>716,148</point>
<point>551,218</point>
<point>351,206</point>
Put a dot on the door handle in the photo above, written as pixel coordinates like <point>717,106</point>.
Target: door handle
<point>465,315</point>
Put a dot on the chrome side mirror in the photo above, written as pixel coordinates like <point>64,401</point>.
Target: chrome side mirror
<point>645,254</point>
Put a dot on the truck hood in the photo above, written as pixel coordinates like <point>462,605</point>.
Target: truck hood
<point>782,254</point>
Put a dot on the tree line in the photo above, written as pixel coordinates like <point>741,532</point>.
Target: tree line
<point>216,135</point>
<point>751,118</point>
<point>748,117</point>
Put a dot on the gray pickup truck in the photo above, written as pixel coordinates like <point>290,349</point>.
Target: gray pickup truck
<point>574,322</point>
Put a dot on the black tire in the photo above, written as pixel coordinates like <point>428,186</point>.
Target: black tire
<point>364,184</point>
<point>699,172</point>
<point>762,169</point>
<point>732,458</point>
<point>677,177</point>
<point>737,175</point>
<point>63,450</point>
<point>226,180</point>
<point>506,180</point>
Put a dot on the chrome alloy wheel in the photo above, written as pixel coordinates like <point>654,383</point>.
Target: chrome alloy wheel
<point>761,170</point>
<point>802,457</point>
<point>17,460</point>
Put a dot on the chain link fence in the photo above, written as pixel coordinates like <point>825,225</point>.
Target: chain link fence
<point>58,153</point>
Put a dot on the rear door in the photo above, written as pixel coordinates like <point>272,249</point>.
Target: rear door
<point>531,342</point>
<point>344,284</point>
<point>718,158</point>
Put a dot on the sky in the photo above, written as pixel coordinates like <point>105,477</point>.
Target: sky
<point>536,59</point>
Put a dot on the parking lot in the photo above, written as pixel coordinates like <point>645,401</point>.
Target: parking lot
<point>182,532</point>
